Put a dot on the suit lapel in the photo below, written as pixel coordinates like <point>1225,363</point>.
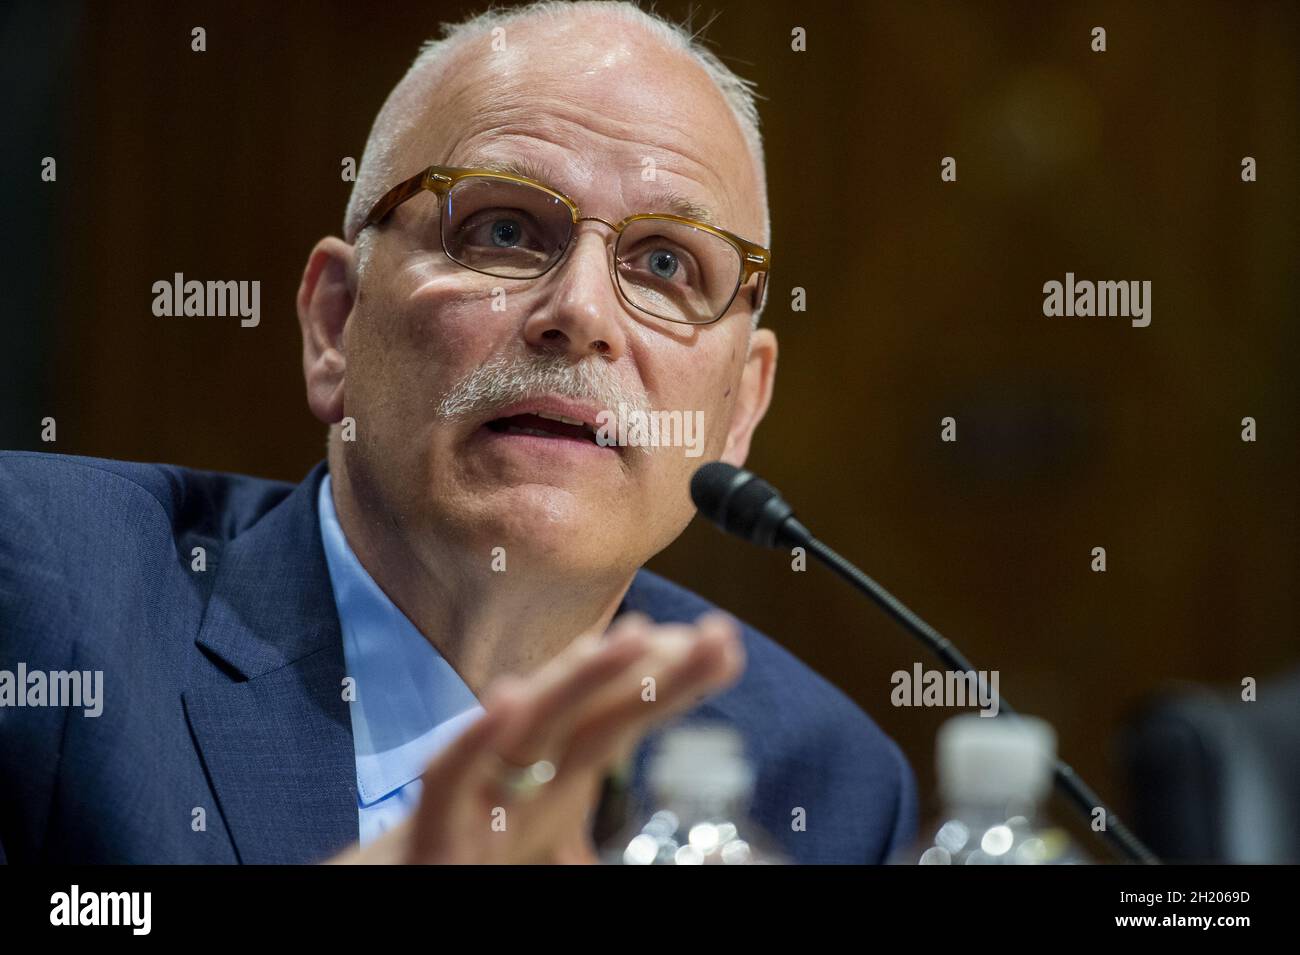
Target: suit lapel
<point>266,707</point>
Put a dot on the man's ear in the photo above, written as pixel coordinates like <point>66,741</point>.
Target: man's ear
<point>755,395</point>
<point>325,300</point>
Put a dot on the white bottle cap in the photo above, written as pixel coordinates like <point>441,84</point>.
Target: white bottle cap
<point>990,760</point>
<point>704,759</point>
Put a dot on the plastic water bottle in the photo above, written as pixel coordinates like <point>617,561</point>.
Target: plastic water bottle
<point>994,775</point>
<point>701,785</point>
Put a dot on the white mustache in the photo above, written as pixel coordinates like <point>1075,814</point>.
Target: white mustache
<point>504,380</point>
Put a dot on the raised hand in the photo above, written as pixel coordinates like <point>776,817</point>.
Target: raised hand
<point>520,784</point>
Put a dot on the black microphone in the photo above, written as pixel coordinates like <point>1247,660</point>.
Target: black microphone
<point>743,504</point>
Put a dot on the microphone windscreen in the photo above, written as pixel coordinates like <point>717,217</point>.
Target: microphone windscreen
<point>711,486</point>
<point>733,498</point>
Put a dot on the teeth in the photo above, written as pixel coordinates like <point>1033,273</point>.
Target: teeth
<point>557,417</point>
<point>515,429</point>
<point>537,432</point>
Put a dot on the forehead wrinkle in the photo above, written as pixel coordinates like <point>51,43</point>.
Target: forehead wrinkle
<point>506,108</point>
<point>660,199</point>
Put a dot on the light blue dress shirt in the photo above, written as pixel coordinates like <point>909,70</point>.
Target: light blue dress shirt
<point>409,703</point>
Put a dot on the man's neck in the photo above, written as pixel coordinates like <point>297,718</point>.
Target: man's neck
<point>484,623</point>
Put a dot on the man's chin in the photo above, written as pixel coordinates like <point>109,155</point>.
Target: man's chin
<point>542,512</point>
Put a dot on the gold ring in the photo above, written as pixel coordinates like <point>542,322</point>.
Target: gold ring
<point>523,782</point>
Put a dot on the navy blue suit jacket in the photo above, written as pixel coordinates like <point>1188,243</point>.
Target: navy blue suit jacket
<point>222,688</point>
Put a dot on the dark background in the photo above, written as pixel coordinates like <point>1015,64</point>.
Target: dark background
<point>924,300</point>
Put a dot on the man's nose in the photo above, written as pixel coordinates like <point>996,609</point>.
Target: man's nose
<point>583,310</point>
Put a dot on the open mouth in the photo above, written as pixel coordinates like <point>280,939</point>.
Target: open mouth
<point>542,424</point>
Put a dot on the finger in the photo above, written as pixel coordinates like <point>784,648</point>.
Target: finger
<point>633,619</point>
<point>724,628</point>
<point>555,699</point>
<point>531,716</point>
<point>594,640</point>
<point>471,765</point>
<point>522,715</point>
<point>701,658</point>
<point>629,627</point>
<point>712,659</point>
<point>547,718</point>
<point>453,769</point>
<point>555,825</point>
<point>716,660</point>
<point>452,781</point>
<point>608,736</point>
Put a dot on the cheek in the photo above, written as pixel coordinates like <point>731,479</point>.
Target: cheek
<point>704,390</point>
<point>704,394</point>
<point>717,418</point>
<point>426,330</point>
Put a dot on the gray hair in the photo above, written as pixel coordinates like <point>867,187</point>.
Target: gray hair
<point>379,171</point>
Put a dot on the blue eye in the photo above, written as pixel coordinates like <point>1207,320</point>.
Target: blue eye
<point>506,233</point>
<point>663,263</point>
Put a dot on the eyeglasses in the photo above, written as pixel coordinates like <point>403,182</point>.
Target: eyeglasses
<point>511,227</point>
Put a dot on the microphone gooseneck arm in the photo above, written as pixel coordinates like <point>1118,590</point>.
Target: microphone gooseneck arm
<point>1078,792</point>
<point>747,506</point>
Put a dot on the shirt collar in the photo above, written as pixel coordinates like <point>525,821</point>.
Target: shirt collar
<point>409,701</point>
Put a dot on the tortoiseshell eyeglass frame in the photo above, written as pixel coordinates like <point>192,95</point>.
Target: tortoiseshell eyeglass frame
<point>754,259</point>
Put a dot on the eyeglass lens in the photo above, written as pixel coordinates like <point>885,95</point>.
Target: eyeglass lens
<point>513,230</point>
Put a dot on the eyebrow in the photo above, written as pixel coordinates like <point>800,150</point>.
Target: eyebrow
<point>662,200</point>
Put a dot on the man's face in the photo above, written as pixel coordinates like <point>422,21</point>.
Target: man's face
<point>592,106</point>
